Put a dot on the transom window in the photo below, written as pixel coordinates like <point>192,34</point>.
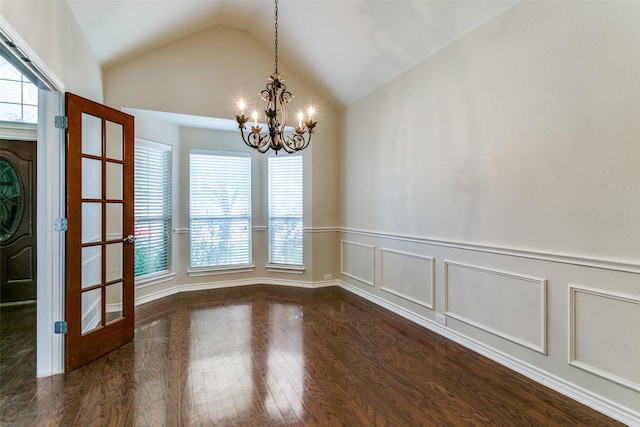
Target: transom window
<point>18,95</point>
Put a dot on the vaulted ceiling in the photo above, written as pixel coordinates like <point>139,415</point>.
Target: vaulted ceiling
<point>347,47</point>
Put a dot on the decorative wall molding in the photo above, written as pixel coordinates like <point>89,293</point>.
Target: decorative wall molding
<point>541,345</point>
<point>185,230</point>
<point>321,229</point>
<point>592,400</point>
<point>626,266</point>
<point>430,276</point>
<point>344,245</point>
<point>573,336</point>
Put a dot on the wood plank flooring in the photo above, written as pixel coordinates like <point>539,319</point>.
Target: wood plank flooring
<point>274,356</point>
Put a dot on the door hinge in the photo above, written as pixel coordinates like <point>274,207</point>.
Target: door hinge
<point>60,224</point>
<point>62,122</point>
<point>60,327</point>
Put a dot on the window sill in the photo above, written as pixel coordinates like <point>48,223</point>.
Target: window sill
<point>154,279</point>
<point>210,271</point>
<point>284,268</point>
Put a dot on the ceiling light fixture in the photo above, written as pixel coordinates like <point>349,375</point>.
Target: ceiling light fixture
<point>276,97</point>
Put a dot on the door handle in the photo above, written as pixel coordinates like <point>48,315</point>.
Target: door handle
<point>129,239</point>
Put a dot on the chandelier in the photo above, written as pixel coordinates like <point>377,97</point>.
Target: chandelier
<point>276,96</point>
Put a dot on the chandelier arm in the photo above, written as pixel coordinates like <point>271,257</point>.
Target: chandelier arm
<point>243,137</point>
<point>297,142</point>
<point>264,148</point>
<point>288,147</point>
<point>252,136</point>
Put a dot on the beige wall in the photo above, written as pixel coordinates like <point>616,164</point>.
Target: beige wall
<point>522,134</point>
<point>499,186</point>
<point>205,74</point>
<point>51,31</point>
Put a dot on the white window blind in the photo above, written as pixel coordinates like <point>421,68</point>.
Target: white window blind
<point>152,207</point>
<point>285,210</point>
<point>220,209</point>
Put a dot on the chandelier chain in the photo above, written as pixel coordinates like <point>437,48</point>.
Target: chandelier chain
<point>276,37</point>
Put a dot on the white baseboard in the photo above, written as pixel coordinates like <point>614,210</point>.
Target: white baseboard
<point>592,400</point>
<point>232,283</point>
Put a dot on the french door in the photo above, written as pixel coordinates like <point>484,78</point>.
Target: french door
<point>99,294</point>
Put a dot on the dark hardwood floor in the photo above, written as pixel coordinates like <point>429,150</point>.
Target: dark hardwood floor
<point>271,356</point>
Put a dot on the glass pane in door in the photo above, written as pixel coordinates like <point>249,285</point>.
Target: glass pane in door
<point>114,181</point>
<point>91,310</point>
<point>91,179</point>
<point>114,141</point>
<point>114,262</point>
<point>91,135</point>
<point>91,266</point>
<point>91,222</point>
<point>114,221</point>
<point>114,302</point>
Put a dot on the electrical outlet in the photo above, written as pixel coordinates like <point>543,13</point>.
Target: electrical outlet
<point>442,319</point>
<point>328,276</point>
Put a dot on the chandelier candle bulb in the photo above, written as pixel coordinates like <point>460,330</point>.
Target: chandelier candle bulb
<point>300,119</point>
<point>241,105</point>
<point>255,118</point>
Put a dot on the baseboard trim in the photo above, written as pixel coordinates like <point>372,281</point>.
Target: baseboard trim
<point>230,284</point>
<point>592,400</point>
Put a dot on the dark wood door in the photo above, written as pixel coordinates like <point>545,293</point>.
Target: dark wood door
<point>99,279</point>
<point>17,221</point>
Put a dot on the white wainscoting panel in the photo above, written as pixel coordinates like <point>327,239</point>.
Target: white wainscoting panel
<point>407,275</point>
<point>357,261</point>
<point>600,324</point>
<point>511,306</point>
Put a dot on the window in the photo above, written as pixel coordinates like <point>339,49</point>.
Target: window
<point>18,96</point>
<point>152,211</point>
<point>285,210</point>
<point>220,209</point>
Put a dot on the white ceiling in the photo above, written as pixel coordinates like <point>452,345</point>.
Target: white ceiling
<point>345,47</point>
